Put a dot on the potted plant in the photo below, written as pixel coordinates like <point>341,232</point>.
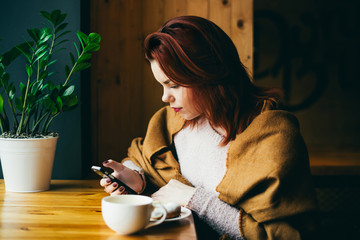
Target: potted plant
<point>28,107</point>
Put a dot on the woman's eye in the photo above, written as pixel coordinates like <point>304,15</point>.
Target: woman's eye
<point>174,86</point>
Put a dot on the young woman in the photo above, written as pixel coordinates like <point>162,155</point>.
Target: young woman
<point>221,148</point>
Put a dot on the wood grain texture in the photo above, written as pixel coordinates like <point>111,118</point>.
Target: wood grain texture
<point>71,210</point>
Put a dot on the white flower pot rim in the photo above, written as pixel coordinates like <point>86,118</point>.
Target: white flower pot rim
<point>24,139</point>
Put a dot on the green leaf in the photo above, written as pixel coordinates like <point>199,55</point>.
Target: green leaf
<point>46,38</point>
<point>58,50</point>
<point>60,19</point>
<point>51,85</point>
<point>43,75</point>
<point>72,58</point>
<point>22,88</point>
<point>46,15</point>
<point>62,34</point>
<point>5,79</point>
<point>44,86</point>
<point>84,57</point>
<point>29,70</point>
<point>30,102</point>
<point>34,34</point>
<point>52,62</point>
<point>19,104</point>
<point>1,104</point>
<point>55,16</point>
<point>94,38</point>
<point>82,38</point>
<point>11,91</point>
<point>82,66</point>
<point>45,34</point>
<point>2,69</point>
<point>71,101</point>
<point>50,106</point>
<point>59,103</point>
<point>40,56</point>
<point>61,27</point>
<point>25,54</point>
<point>67,70</point>
<point>69,90</point>
<point>36,86</point>
<point>77,50</point>
<point>61,42</point>
<point>15,52</point>
<point>42,48</point>
<point>92,47</point>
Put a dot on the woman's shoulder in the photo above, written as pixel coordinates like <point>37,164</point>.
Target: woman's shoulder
<point>278,119</point>
<point>271,127</point>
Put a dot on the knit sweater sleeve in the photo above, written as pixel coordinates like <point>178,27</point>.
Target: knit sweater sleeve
<point>221,216</point>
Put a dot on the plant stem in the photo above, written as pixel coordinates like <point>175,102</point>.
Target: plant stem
<point>1,125</point>
<point>25,98</point>
<point>48,114</point>
<point>37,123</point>
<point>49,122</point>
<point>16,123</point>
<point>72,69</point>
<point>51,47</point>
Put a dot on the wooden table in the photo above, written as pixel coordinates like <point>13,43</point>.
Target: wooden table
<point>71,209</point>
<point>326,161</point>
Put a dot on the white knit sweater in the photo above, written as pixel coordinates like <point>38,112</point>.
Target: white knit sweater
<point>203,164</point>
<point>202,161</point>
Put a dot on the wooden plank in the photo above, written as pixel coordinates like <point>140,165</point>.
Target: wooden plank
<point>117,78</point>
<point>242,30</point>
<point>174,8</point>
<point>334,161</point>
<point>198,8</point>
<point>71,209</point>
<point>220,13</point>
<point>153,18</point>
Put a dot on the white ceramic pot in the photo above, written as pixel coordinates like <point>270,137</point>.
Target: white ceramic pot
<point>27,163</point>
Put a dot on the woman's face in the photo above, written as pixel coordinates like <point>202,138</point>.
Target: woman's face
<point>179,98</point>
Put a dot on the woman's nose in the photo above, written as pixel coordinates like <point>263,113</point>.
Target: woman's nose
<point>166,97</point>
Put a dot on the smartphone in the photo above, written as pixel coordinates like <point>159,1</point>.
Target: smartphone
<point>103,173</point>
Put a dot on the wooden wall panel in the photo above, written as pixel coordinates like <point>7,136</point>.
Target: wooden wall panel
<point>198,8</point>
<point>124,92</point>
<point>242,30</point>
<point>153,17</point>
<point>117,77</point>
<point>220,13</point>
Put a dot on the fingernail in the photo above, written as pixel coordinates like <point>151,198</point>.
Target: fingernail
<point>108,180</point>
<point>115,184</point>
<point>121,189</point>
<point>105,162</point>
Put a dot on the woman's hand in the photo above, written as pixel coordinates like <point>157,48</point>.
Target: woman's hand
<point>174,191</point>
<point>125,175</point>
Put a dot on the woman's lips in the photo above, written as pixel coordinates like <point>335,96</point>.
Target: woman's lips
<point>176,109</point>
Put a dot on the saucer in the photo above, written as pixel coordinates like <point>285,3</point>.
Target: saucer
<point>184,213</point>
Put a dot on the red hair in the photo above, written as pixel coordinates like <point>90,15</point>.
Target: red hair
<point>194,52</point>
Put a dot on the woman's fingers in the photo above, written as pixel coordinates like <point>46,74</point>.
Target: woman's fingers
<point>119,191</point>
<point>111,187</point>
<point>105,182</point>
<point>116,166</point>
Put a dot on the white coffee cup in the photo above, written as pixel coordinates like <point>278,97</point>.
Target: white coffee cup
<point>127,214</point>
